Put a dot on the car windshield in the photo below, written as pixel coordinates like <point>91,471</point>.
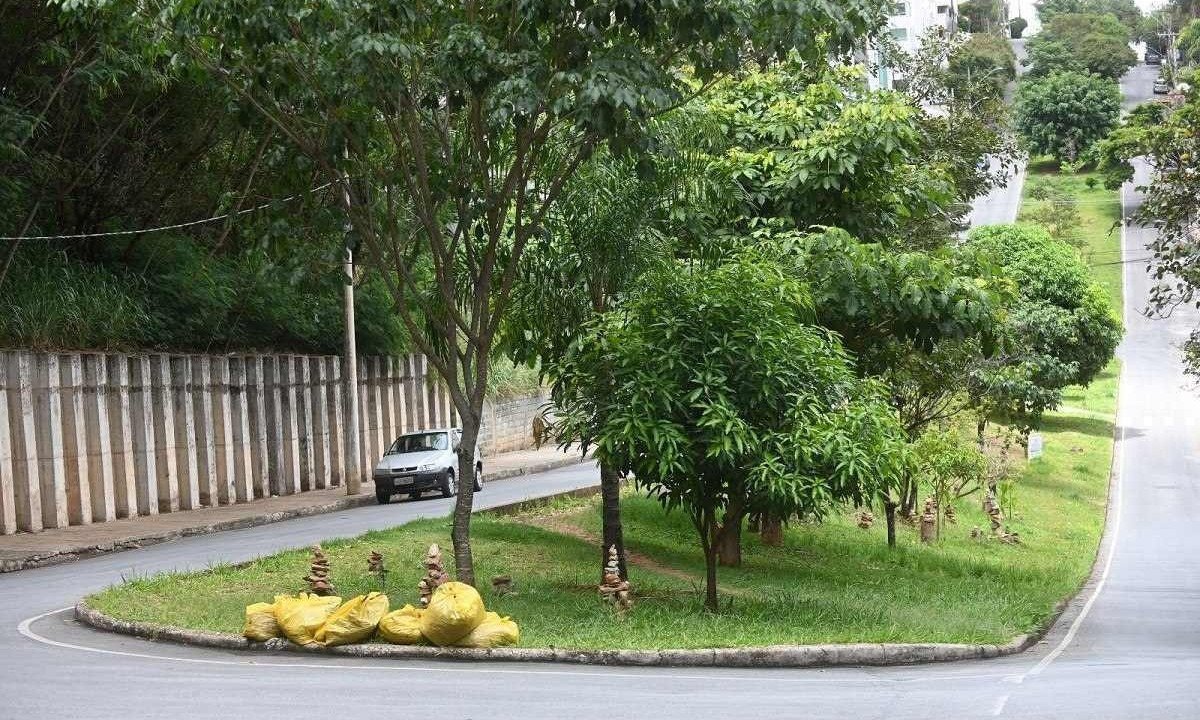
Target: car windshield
<point>420,442</point>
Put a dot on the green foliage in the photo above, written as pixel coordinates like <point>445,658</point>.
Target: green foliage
<point>1016,27</point>
<point>1063,114</point>
<point>1082,43</point>
<point>951,466</point>
<point>886,303</point>
<point>1188,43</point>
<point>984,57</point>
<point>1057,211</point>
<point>982,16</point>
<point>1126,11</point>
<point>95,136</point>
<point>1138,130</point>
<point>181,299</point>
<point>1061,330</point>
<point>713,389</point>
<point>969,136</point>
<point>59,304</point>
<point>819,150</point>
<point>605,231</point>
<point>1169,141</point>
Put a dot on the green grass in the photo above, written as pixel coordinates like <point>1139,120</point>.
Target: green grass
<point>829,582</point>
<point>1100,215</point>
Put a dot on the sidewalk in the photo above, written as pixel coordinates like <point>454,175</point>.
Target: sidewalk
<point>50,547</point>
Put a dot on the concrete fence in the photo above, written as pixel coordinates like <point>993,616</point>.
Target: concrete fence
<point>95,437</point>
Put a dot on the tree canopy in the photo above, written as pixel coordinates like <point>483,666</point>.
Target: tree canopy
<point>984,58</point>
<point>983,16</point>
<point>1082,42</point>
<point>713,388</point>
<point>1061,329</point>
<point>1125,11</point>
<point>1064,113</point>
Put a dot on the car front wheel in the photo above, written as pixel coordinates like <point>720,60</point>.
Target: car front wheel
<point>478,478</point>
<point>449,485</point>
<point>383,497</point>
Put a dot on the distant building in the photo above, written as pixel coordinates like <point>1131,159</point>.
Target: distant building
<point>907,22</point>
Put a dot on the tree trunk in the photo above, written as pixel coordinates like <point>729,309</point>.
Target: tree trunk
<point>464,564</point>
<point>708,534</point>
<point>908,498</point>
<point>772,530</point>
<point>980,428</point>
<point>706,527</point>
<point>610,494</point>
<point>889,510</point>
<point>710,579</point>
<point>729,536</point>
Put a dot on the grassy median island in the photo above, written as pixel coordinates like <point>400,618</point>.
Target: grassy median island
<point>828,582</point>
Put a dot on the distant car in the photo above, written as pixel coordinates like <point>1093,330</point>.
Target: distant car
<point>1161,87</point>
<point>420,461</point>
<point>1153,57</point>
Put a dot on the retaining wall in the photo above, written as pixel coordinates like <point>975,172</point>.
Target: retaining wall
<point>92,437</point>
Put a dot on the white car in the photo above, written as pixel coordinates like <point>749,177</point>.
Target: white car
<point>420,461</point>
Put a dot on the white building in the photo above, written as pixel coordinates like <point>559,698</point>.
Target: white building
<point>907,22</point>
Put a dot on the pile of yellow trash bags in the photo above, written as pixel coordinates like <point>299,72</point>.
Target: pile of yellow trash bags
<point>455,617</point>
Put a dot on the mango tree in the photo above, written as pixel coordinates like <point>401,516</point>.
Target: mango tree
<point>713,388</point>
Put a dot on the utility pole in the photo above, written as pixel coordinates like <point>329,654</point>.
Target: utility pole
<point>1169,23</point>
<point>351,434</point>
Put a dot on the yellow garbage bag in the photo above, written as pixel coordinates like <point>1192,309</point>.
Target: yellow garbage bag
<point>260,621</point>
<point>302,616</point>
<point>494,631</point>
<point>403,626</point>
<point>354,621</point>
<point>454,610</point>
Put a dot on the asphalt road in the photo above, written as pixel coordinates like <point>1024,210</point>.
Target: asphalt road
<point>1000,205</point>
<point>1126,649</point>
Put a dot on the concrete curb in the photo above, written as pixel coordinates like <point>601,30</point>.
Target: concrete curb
<point>136,541</point>
<point>782,656</point>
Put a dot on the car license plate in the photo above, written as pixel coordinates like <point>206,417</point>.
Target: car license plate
<point>406,480</point>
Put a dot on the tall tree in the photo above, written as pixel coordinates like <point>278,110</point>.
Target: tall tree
<point>1065,113</point>
<point>1081,42</point>
<point>807,146</point>
<point>1126,11</point>
<point>452,128</point>
<point>919,321</point>
<point>610,227</point>
<point>713,389</point>
<point>983,16</point>
<point>1060,330</point>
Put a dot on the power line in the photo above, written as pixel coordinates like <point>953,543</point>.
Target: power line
<point>176,226</point>
<point>1121,262</point>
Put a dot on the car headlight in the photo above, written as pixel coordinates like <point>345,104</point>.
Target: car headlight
<point>426,467</point>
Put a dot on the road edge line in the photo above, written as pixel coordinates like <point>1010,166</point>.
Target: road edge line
<point>1098,578</point>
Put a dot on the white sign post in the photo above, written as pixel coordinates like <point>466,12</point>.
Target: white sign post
<point>1034,448</point>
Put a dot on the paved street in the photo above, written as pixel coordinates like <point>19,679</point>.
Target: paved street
<point>1127,648</point>
<point>1000,205</point>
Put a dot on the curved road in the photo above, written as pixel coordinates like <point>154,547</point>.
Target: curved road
<point>1127,648</point>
